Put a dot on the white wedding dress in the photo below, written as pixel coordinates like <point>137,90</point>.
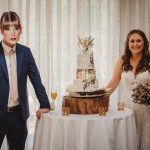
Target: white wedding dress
<point>142,112</point>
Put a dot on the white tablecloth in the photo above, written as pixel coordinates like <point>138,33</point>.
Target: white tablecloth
<point>115,131</point>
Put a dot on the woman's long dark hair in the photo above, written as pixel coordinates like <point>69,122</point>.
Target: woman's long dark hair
<point>144,63</point>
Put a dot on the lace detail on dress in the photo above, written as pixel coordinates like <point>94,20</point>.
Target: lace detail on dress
<point>142,112</point>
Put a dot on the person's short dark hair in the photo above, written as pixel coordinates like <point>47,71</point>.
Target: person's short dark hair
<point>8,17</point>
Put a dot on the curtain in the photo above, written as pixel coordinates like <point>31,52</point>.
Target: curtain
<point>51,29</point>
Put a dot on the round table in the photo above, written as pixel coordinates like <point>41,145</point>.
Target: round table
<point>115,131</point>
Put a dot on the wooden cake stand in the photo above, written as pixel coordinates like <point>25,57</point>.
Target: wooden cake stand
<point>85,105</point>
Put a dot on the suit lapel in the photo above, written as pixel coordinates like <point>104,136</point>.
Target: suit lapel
<point>19,56</point>
<point>3,62</point>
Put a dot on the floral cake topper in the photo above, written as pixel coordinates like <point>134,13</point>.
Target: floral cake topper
<point>85,43</point>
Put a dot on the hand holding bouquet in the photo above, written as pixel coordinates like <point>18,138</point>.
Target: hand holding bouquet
<point>141,94</point>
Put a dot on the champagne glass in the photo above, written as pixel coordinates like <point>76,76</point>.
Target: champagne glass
<point>53,96</point>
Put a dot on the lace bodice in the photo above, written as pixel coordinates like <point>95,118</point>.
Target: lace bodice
<point>142,112</point>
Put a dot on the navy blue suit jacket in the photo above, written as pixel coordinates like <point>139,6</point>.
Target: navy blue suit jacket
<point>26,66</point>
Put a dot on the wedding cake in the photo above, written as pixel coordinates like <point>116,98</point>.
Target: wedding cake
<point>85,82</point>
<point>85,87</point>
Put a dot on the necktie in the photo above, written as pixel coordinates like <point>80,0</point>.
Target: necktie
<point>13,72</point>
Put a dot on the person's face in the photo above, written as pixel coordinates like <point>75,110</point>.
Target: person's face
<point>136,43</point>
<point>11,33</point>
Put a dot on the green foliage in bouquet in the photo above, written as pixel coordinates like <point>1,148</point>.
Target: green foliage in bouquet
<point>141,94</point>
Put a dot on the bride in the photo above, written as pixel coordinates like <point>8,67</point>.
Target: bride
<point>134,68</point>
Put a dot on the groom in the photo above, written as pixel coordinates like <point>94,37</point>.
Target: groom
<point>16,64</point>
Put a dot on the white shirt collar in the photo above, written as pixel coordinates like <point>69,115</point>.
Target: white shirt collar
<point>7,48</point>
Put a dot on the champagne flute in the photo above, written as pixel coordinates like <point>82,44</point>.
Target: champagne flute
<point>53,96</point>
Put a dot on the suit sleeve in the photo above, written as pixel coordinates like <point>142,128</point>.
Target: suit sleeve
<point>35,79</point>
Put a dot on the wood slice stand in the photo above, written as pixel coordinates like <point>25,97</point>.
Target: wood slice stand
<point>85,105</point>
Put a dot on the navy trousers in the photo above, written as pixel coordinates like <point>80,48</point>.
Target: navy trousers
<point>14,127</point>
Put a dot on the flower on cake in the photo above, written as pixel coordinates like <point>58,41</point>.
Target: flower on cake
<point>85,43</point>
<point>141,94</point>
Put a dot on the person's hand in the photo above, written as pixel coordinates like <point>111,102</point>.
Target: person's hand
<point>41,111</point>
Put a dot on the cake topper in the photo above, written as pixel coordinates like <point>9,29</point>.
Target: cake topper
<point>85,43</point>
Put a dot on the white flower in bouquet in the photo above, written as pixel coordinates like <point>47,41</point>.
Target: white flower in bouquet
<point>141,94</point>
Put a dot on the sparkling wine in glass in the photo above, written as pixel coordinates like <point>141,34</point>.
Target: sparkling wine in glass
<point>53,96</point>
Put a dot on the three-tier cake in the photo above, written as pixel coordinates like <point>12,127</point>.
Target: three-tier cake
<point>85,97</point>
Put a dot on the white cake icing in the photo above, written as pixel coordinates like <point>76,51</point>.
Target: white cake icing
<point>85,61</point>
<point>85,74</point>
<point>79,86</point>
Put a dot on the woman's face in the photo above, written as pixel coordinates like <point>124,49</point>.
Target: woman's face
<point>11,33</point>
<point>136,43</point>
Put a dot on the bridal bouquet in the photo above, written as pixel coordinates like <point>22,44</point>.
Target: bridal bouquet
<point>141,94</point>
